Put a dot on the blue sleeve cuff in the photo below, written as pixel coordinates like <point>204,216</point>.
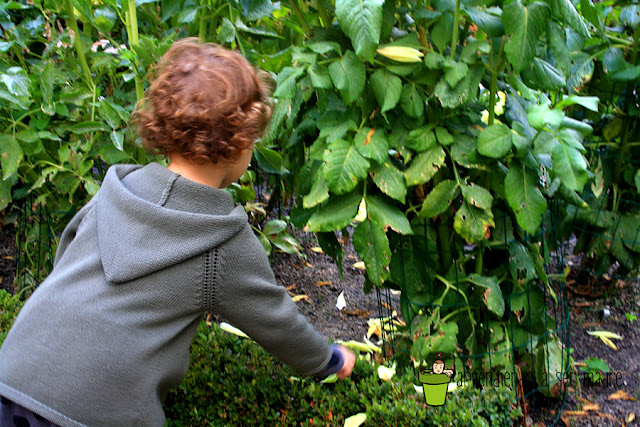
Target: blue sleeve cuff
<point>335,364</point>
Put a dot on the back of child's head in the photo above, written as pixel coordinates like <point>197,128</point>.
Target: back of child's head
<point>206,103</point>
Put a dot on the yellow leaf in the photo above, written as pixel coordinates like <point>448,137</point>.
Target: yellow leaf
<point>300,297</point>
<point>401,53</point>
<point>374,328</point>
<point>330,379</point>
<point>362,212</point>
<point>608,342</point>
<point>359,265</point>
<point>232,330</point>
<point>318,250</point>
<point>355,420</point>
<point>631,417</point>
<point>591,407</point>
<point>621,395</point>
<point>605,334</point>
<point>369,348</point>
<point>385,373</point>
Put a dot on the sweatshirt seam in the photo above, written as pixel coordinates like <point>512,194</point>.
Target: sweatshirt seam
<point>214,278</point>
<point>206,288</point>
<point>167,190</point>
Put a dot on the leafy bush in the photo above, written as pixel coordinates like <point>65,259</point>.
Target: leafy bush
<point>233,381</point>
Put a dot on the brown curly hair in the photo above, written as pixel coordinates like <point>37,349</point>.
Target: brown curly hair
<point>207,103</point>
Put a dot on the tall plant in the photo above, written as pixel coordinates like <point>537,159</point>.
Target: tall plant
<point>390,138</point>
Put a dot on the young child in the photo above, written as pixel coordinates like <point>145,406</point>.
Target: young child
<point>107,334</point>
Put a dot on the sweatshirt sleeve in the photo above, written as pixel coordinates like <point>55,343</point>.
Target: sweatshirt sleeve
<point>246,294</point>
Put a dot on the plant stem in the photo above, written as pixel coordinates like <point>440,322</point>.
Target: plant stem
<point>622,152</point>
<point>78,44</point>
<point>443,235</point>
<point>324,15</point>
<point>202,24</point>
<point>303,22</point>
<point>132,30</point>
<point>454,35</point>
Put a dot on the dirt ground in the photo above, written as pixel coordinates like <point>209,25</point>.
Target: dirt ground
<point>315,278</point>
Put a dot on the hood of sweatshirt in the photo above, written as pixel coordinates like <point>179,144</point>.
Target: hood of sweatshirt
<point>142,211</point>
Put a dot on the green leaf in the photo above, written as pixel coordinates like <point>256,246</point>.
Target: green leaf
<point>109,114</point>
<point>11,155</point>
<point>442,32</point>
<point>456,73</point>
<point>588,102</point>
<point>495,141</point>
<point>521,265</point>
<point>544,76</point>
<point>424,166</point>
<point>489,23</point>
<point>87,126</point>
<point>269,160</point>
<point>411,101</point>
<point>227,34</point>
<point>325,47</point>
<point>569,14</point>
<point>524,197</point>
<point>319,192</point>
<point>439,199</point>
<point>569,165</point>
<point>336,214</point>
<point>493,298</point>
<point>434,60</point>
<point>320,77</point>
<point>540,116</point>
<point>387,88</point>
<point>372,144</point>
<point>256,9</point>
<point>348,76</point>
<point>105,18</point>
<point>286,82</point>
<point>524,25</point>
<point>637,181</point>
<point>464,92</point>
<point>46,87</point>
<point>390,180</point>
<point>118,139</point>
<point>421,139</point>
<point>361,21</point>
<point>5,193</point>
<point>371,243</point>
<point>386,214</point>
<point>274,226</point>
<point>472,224</point>
<point>344,166</point>
<point>332,247</point>
<point>8,97</point>
<point>477,196</point>
<point>187,15</point>
<point>333,131</point>
<point>17,81</point>
<point>590,13</point>
<point>630,15</point>
<point>629,229</point>
<point>443,135</point>
<point>266,244</point>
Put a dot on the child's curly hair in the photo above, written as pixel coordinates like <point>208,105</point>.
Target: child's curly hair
<point>207,103</point>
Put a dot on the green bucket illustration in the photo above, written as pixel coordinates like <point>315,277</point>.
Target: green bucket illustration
<point>435,387</point>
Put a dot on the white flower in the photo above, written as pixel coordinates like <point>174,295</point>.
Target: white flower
<point>385,373</point>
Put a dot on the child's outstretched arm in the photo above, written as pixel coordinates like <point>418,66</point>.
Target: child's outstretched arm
<point>246,294</point>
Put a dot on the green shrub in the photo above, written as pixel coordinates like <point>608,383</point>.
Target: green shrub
<point>233,381</point>
<point>9,307</point>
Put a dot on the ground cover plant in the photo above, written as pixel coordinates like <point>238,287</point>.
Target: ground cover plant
<point>453,135</point>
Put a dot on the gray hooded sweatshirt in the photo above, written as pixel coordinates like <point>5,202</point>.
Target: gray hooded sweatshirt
<point>107,334</point>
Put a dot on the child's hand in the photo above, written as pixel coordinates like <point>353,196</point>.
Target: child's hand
<point>349,360</point>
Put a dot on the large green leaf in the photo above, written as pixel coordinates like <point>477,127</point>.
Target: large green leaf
<point>411,101</point>
<point>344,166</point>
<point>87,126</point>
<point>493,298</point>
<point>11,155</point>
<point>227,34</point>
<point>372,144</point>
<point>629,229</point>
<point>371,243</point>
<point>565,10</point>
<point>489,23</point>
<point>472,224</point>
<point>320,77</point>
<point>319,192</point>
<point>495,141</point>
<point>477,196</point>
<point>524,25</point>
<point>387,88</point>
<point>348,76</point>
<point>269,160</point>
<point>361,21</point>
<point>524,197</point>
<point>424,166</point>
<point>256,9</point>
<point>336,214</point>
<point>390,180</point>
<point>386,214</point>
<point>286,82</point>
<point>421,139</point>
<point>439,199</point>
<point>17,81</point>
<point>543,75</point>
<point>521,264</point>
<point>569,164</point>
<point>46,89</point>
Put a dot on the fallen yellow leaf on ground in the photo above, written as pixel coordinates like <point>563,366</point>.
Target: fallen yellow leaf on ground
<point>631,417</point>
<point>359,265</point>
<point>591,407</point>
<point>621,395</point>
<point>575,413</point>
<point>307,264</point>
<point>317,249</point>
<point>301,297</point>
<point>328,282</point>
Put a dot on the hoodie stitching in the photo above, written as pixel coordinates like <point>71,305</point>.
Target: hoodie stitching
<point>214,276</point>
<point>206,288</point>
<point>167,190</point>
